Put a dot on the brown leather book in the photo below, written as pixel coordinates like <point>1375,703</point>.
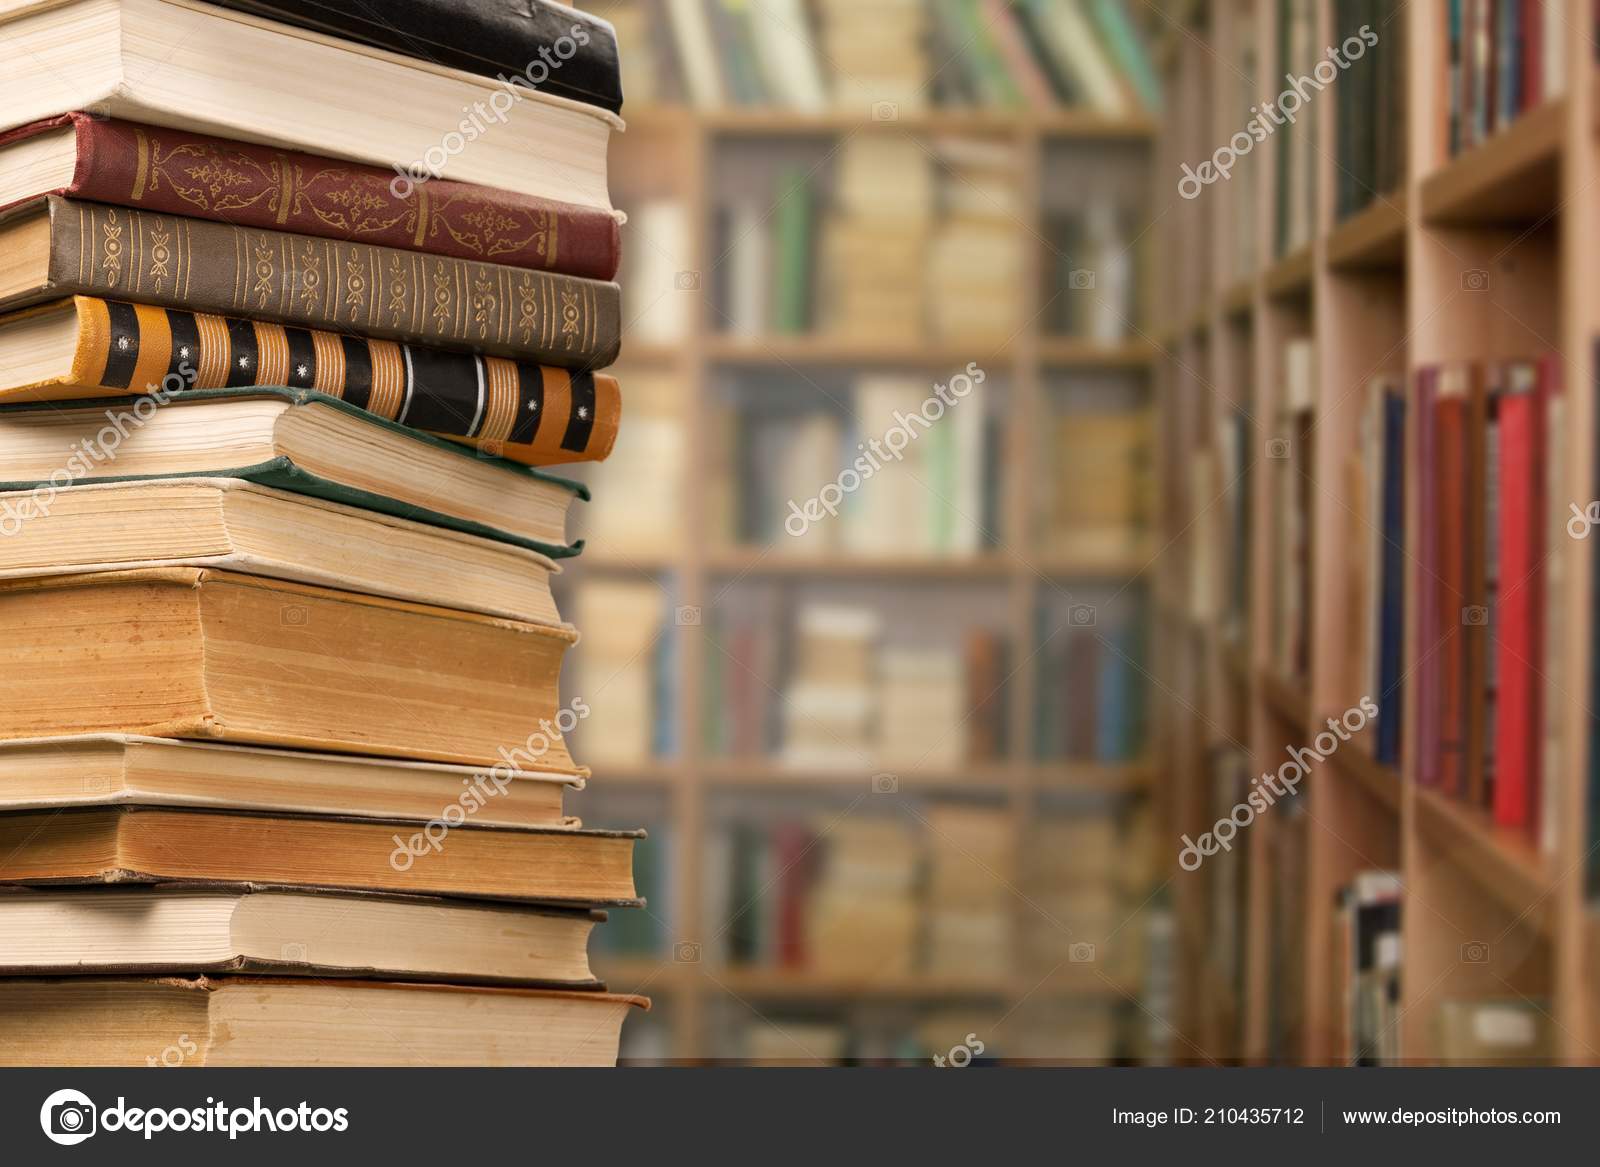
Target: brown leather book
<point>125,845</point>
<point>156,168</point>
<point>256,1021</point>
<point>196,653</point>
<point>56,247</point>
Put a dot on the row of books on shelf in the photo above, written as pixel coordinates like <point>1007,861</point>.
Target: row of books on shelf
<point>910,240</point>
<point>1370,107</point>
<point>943,892</point>
<point>1486,471</point>
<point>277,544</point>
<point>886,55</point>
<point>1367,948</point>
<point>841,691</point>
<point>1505,57</point>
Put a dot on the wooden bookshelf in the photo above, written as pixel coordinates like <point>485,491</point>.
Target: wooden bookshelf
<point>673,151</point>
<point>1486,911</point>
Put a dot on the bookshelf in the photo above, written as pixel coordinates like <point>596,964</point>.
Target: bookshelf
<point>676,152</point>
<point>1485,910</point>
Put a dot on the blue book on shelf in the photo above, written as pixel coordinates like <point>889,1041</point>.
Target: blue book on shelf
<point>1391,619</point>
<point>1119,714</point>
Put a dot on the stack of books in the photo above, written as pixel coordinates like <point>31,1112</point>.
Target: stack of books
<point>280,735</point>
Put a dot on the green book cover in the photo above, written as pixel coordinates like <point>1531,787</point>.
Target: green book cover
<point>1128,50</point>
<point>792,273</point>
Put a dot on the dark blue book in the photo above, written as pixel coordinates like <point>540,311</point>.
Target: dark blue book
<point>1391,617</point>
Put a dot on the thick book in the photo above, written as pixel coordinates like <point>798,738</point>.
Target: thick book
<point>197,67</point>
<point>124,845</point>
<point>129,770</point>
<point>237,928</point>
<point>176,172</point>
<point>294,440</point>
<point>89,347</point>
<point>260,1021</point>
<point>237,526</point>
<point>1391,618</point>
<point>59,247</point>
<point>1446,638</point>
<point>554,48</point>
<point>220,656</point>
<point>1520,641</point>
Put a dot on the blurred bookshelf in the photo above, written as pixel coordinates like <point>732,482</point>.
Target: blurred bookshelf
<point>950,607</point>
<point>1440,249</point>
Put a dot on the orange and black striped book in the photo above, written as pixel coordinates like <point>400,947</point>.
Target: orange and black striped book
<point>90,347</point>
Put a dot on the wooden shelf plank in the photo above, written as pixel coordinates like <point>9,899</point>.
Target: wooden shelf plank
<point>1382,782</point>
<point>1372,238</point>
<point>1291,276</point>
<point>1288,699</point>
<point>765,562</point>
<point>1504,863</point>
<point>1070,352</point>
<point>824,349</point>
<point>1512,177</point>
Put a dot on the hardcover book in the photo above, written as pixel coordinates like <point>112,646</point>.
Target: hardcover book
<point>88,347</point>
<point>218,656</point>
<point>198,67</point>
<point>290,439</point>
<point>176,172</point>
<point>236,525</point>
<point>124,845</point>
<point>59,247</point>
<point>231,928</point>
<point>129,770</point>
<point>490,37</point>
<point>245,1021</point>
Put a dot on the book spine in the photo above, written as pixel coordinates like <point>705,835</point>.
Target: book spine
<point>533,415</point>
<point>1519,651</point>
<point>1391,640</point>
<point>172,172</point>
<point>1450,472</point>
<point>194,265</point>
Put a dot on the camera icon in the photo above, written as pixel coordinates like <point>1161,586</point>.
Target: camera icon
<point>1081,615</point>
<point>686,952</point>
<point>885,111</point>
<point>1475,616</point>
<point>1081,953</point>
<point>1278,449</point>
<point>687,281</point>
<point>1475,952</point>
<point>1080,280</point>
<point>68,1117</point>
<point>294,616</point>
<point>687,616</point>
<point>885,784</point>
<point>1475,280</point>
<point>294,951</point>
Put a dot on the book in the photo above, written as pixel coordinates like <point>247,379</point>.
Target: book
<point>236,928</point>
<point>1495,1031</point>
<point>1369,941</point>
<point>130,770</point>
<point>294,440</point>
<point>1450,470</point>
<point>125,845</point>
<point>1391,631</point>
<point>62,247</point>
<point>158,61</point>
<point>489,39</point>
<point>88,347</point>
<point>236,525</point>
<point>176,172</point>
<point>261,1021</point>
<point>227,657</point>
<point>788,54</point>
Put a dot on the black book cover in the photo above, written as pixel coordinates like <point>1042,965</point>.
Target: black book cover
<point>561,50</point>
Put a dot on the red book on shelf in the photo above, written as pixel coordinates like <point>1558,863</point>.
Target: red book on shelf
<point>1520,641</point>
<point>173,172</point>
<point>791,844</point>
<point>1450,572</point>
<point>1532,21</point>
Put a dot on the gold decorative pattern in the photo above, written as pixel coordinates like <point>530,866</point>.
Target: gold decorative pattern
<point>309,276</point>
<point>527,308</point>
<point>355,285</point>
<point>111,249</point>
<point>484,302</point>
<point>571,317</point>
<point>263,269</point>
<point>160,252</point>
<point>398,291</point>
<point>443,299</point>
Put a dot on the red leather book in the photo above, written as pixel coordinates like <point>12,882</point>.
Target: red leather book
<point>1532,30</point>
<point>178,173</point>
<point>791,844</point>
<point>1450,572</point>
<point>1520,642</point>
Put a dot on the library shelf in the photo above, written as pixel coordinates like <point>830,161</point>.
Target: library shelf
<point>986,778</point>
<point>1503,863</point>
<point>1512,177</point>
<point>1371,238</point>
<point>1291,276</point>
<point>1379,293</point>
<point>1380,781</point>
<point>1072,980</point>
<point>822,349</point>
<point>678,153</point>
